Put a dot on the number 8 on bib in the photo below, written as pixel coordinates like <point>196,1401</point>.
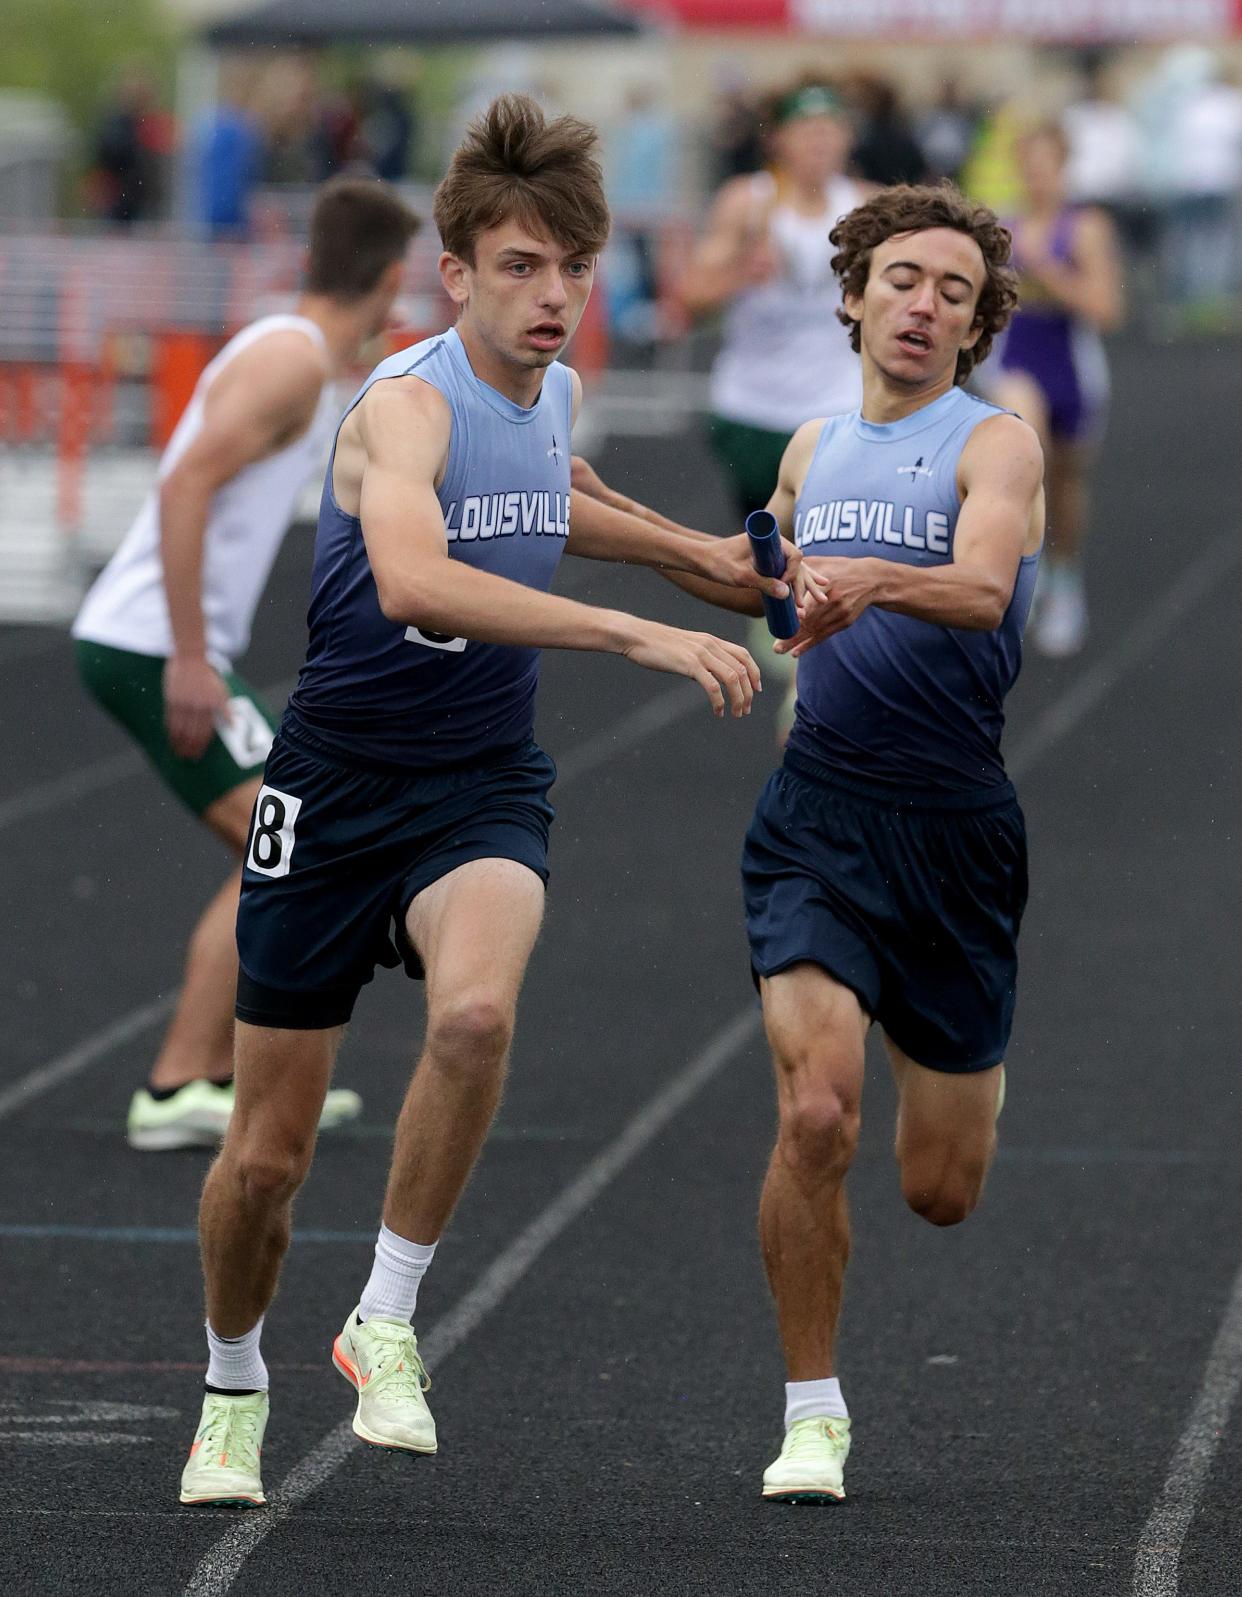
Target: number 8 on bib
<point>271,836</point>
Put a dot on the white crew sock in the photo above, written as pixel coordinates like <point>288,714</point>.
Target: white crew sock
<point>235,1363</point>
<point>392,1291</point>
<point>806,1400</point>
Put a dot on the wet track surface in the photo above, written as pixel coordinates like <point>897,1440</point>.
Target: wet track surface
<point>611,1391</point>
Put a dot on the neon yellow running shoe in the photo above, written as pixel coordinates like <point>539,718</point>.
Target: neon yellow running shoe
<point>379,1359</point>
<point>197,1116</point>
<point>811,1465</point>
<point>223,1466</point>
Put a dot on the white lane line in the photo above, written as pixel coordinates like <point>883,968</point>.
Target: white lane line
<point>624,734</point>
<point>217,1571</point>
<point>222,1563</point>
<point>72,1439</point>
<point>98,774</point>
<point>1057,722</point>
<point>73,1413</point>
<point>113,768</point>
<point>1160,1545</point>
<point>75,785</point>
<point>648,718</point>
<point>1159,1549</point>
<point>86,1053</point>
<point>1196,582</point>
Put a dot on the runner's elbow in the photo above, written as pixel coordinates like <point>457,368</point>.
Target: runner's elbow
<point>400,603</point>
<point>989,607</point>
<point>393,599</point>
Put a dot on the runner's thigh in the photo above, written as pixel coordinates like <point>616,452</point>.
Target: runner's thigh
<point>474,929</point>
<point>950,1115</point>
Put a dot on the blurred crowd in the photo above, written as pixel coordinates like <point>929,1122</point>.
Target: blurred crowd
<point>276,125</point>
<point>1164,159</point>
<point>1161,152</point>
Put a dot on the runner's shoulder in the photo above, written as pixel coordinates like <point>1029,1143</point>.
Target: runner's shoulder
<point>805,441</point>
<point>399,403</point>
<point>402,417</point>
<point>282,370</point>
<point>734,205</point>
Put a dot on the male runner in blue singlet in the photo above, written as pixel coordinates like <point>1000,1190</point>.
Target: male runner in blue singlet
<point>404,813</point>
<point>884,871</point>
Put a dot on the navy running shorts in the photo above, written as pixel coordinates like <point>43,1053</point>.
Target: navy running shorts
<point>914,905</point>
<point>337,850</point>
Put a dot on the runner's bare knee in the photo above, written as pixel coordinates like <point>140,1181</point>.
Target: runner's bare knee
<point>818,1130</point>
<point>469,1030</point>
<point>271,1162</point>
<point>942,1184</point>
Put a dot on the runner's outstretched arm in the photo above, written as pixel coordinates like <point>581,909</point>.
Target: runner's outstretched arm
<point>604,525</point>
<point>724,595</point>
<point>403,427</point>
<point>742,601</point>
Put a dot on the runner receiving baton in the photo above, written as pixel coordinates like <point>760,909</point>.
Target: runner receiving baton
<point>772,555</point>
<point>767,550</point>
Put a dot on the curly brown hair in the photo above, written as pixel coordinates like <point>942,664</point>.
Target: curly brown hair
<point>910,208</point>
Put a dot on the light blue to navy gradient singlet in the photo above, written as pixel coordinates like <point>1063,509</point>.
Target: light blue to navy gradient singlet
<point>389,693</point>
<point>892,699</point>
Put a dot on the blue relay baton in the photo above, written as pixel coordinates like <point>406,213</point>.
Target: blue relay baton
<point>767,552</point>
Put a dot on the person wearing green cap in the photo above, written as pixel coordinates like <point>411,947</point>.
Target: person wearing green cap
<point>764,260</point>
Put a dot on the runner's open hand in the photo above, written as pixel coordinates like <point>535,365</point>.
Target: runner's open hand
<point>725,671</point>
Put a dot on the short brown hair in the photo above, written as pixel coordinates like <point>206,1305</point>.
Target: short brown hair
<point>358,228</point>
<point>910,208</point>
<point>515,165</point>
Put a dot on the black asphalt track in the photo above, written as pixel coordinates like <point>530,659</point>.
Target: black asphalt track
<point>1018,1384</point>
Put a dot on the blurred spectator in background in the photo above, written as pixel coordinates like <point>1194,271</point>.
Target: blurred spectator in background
<point>1190,125</point>
<point>1104,158</point>
<point>134,139</point>
<point>946,132</point>
<point>337,137</point>
<point>389,122</point>
<point>991,171</point>
<point>1203,235</point>
<point>286,106</point>
<point>765,260</point>
<point>642,181</point>
<point>885,149</point>
<point>736,143</point>
<point>1052,368</point>
<point>226,161</point>
<point>1103,144</point>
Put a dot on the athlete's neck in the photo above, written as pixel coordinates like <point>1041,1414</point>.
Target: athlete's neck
<point>345,326</point>
<point>1043,212</point>
<point>806,195</point>
<point>886,401</point>
<point>521,384</point>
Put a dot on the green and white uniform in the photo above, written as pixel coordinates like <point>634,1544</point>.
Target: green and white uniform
<point>123,632</point>
<point>784,356</point>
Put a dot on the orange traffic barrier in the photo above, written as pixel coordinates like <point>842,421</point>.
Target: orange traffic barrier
<point>179,360</point>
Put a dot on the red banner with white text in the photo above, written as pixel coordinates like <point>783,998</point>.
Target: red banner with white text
<point>1039,21</point>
